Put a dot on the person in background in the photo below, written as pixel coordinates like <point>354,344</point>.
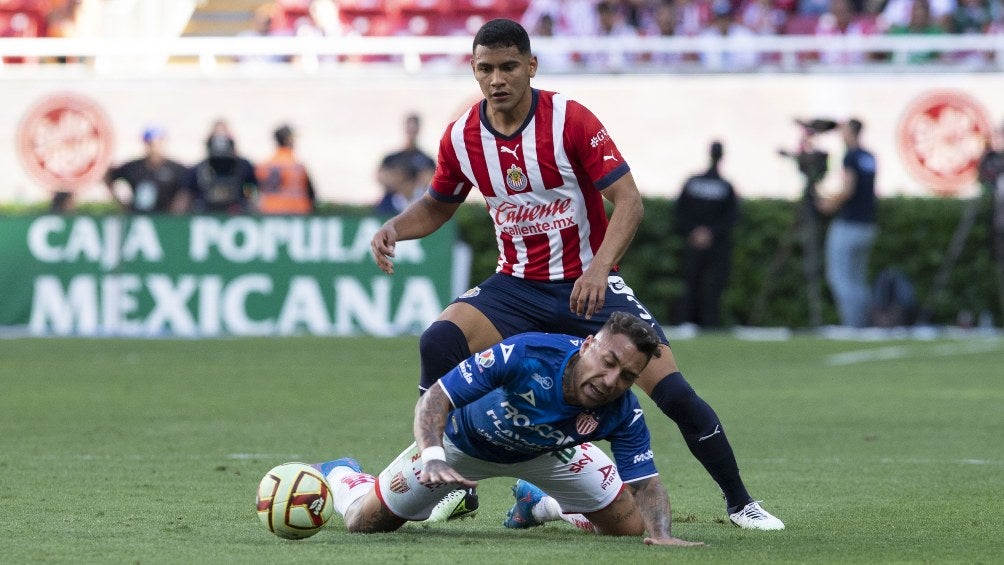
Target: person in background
<point>706,212</point>
<point>920,23</point>
<point>284,185</point>
<point>404,174</point>
<point>853,230</point>
<point>223,182</point>
<point>724,25</point>
<point>154,180</point>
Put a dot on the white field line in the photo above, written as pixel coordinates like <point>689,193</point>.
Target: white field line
<point>916,351</point>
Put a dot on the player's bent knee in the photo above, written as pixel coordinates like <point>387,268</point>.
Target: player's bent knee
<point>442,346</point>
<point>620,518</point>
<point>370,516</point>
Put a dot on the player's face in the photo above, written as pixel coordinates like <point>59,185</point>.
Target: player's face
<point>608,365</point>
<point>504,75</point>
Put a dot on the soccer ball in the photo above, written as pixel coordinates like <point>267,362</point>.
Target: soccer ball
<point>294,501</point>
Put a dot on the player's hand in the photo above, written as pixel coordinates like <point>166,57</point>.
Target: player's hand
<point>588,293</point>
<point>438,472</point>
<point>382,245</point>
<point>672,541</point>
<point>701,237</point>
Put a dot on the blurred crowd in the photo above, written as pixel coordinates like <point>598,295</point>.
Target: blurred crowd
<point>739,20</point>
<point>571,18</point>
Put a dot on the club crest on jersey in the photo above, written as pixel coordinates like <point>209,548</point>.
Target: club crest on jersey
<point>485,359</point>
<point>515,179</point>
<point>586,424</point>
<point>399,484</point>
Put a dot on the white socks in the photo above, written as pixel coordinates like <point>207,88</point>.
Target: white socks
<point>548,510</point>
<point>348,486</point>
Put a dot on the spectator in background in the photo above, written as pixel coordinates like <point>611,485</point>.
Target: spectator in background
<point>610,23</point>
<point>920,23</point>
<point>973,16</point>
<point>284,186</point>
<point>263,25</point>
<point>763,17</point>
<point>558,61</point>
<point>406,173</point>
<point>813,7</point>
<point>841,20</point>
<point>706,212</point>
<point>900,13</point>
<point>723,25</point>
<point>639,14</point>
<point>572,17</point>
<point>664,24</point>
<point>852,231</point>
<point>401,183</point>
<point>692,16</point>
<point>223,182</point>
<point>155,181</point>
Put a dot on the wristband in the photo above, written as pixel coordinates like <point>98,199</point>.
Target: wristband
<point>433,453</point>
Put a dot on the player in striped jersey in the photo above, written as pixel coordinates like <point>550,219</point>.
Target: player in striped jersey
<point>544,164</point>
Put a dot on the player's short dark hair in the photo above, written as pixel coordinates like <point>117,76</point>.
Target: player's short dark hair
<point>284,136</point>
<point>716,151</point>
<point>855,126</point>
<point>501,33</point>
<point>640,332</point>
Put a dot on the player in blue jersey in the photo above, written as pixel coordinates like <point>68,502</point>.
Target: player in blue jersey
<point>528,407</point>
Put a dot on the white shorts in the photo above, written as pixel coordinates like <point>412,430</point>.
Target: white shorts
<point>581,478</point>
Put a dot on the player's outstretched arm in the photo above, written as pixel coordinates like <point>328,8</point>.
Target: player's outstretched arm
<point>430,421</point>
<point>589,290</point>
<point>653,503</point>
<point>418,220</point>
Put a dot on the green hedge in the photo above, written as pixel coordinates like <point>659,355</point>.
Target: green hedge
<point>914,237</point>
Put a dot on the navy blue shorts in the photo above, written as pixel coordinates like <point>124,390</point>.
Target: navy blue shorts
<point>515,306</point>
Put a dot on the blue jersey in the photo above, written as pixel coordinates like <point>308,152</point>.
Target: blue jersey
<point>509,407</point>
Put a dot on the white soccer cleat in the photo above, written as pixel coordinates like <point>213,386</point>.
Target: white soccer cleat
<point>458,505</point>
<point>754,517</point>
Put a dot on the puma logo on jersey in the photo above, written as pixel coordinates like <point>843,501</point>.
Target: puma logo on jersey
<point>508,150</point>
<point>609,157</point>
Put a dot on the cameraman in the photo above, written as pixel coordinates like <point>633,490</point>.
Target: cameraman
<point>852,231</point>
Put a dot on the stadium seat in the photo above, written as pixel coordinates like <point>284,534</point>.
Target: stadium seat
<point>801,24</point>
<point>486,8</point>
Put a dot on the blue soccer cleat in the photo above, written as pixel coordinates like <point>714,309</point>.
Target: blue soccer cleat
<point>327,466</point>
<point>521,514</point>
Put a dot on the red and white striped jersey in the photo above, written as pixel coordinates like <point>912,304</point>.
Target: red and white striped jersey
<point>542,184</point>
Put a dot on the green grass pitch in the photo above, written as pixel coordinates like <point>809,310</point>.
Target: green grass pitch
<point>132,451</point>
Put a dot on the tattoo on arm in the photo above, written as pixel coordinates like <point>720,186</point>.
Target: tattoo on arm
<point>653,503</point>
<point>430,417</point>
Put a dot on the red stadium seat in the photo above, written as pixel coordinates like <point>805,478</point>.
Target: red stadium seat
<point>406,8</point>
<point>801,24</point>
<point>358,7</point>
<point>485,8</point>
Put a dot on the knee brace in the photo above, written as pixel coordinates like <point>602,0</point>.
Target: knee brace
<point>441,347</point>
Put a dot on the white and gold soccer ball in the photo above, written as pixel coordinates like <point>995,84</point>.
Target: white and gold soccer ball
<point>294,501</point>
